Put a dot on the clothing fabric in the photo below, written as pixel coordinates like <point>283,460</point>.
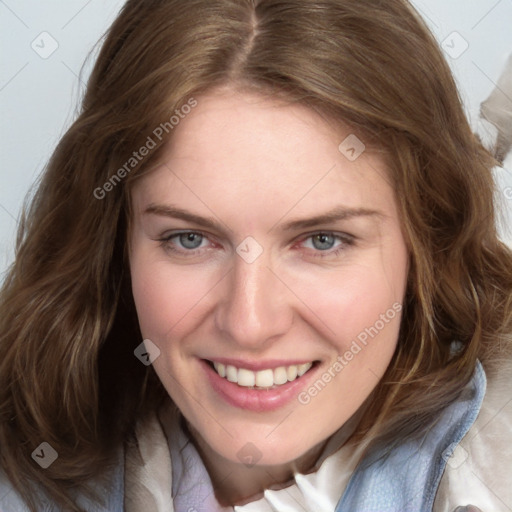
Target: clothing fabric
<point>406,481</point>
<point>427,475</point>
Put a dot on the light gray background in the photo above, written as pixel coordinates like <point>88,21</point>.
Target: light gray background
<point>39,96</point>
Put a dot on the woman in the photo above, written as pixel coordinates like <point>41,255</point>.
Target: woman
<point>261,271</point>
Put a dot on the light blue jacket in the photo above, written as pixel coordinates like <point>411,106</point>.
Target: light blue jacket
<point>405,481</point>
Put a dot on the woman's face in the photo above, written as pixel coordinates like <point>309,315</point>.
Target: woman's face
<point>264,248</point>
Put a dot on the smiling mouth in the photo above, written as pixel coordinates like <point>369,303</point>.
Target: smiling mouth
<point>262,379</point>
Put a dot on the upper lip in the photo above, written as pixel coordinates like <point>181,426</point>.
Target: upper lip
<point>259,365</point>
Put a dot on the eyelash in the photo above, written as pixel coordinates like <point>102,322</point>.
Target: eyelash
<point>168,246</point>
<point>346,240</point>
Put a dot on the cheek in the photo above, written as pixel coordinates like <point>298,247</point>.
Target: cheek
<point>367,306</point>
<point>362,312</point>
<point>352,300</point>
<point>166,297</point>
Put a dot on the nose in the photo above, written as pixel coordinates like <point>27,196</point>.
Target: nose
<point>255,306</point>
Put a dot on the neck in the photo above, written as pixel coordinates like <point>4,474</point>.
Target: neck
<point>238,484</point>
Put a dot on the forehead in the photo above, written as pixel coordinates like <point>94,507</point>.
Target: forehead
<point>246,149</point>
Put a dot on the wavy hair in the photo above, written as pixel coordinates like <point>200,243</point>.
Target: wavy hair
<point>68,375</point>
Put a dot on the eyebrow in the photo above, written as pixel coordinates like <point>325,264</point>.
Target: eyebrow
<point>178,213</point>
<point>334,215</point>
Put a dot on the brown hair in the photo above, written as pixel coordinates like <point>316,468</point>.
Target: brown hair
<point>68,375</point>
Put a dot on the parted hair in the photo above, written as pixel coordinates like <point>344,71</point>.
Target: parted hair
<point>68,326</point>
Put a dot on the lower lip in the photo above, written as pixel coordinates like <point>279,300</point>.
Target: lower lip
<point>257,400</point>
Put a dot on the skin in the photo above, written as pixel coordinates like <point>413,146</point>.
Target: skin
<point>254,165</point>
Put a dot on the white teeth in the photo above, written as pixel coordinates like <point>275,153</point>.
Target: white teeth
<point>231,373</point>
<point>245,377</point>
<point>291,372</point>
<point>280,375</point>
<point>303,368</point>
<point>220,368</point>
<point>263,378</point>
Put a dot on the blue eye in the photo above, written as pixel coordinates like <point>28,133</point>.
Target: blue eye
<point>190,240</point>
<point>327,244</point>
<point>323,241</point>
<point>186,243</point>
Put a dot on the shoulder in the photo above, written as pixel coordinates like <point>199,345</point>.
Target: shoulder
<point>478,471</point>
<point>406,476</point>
